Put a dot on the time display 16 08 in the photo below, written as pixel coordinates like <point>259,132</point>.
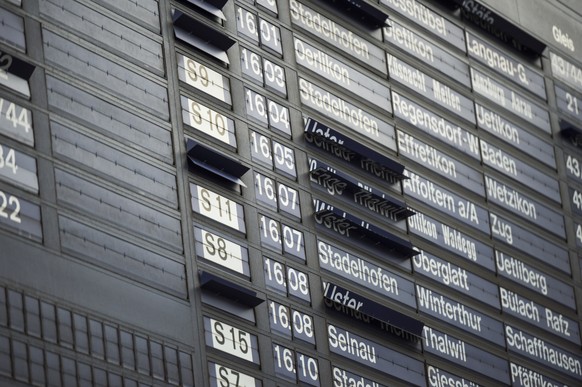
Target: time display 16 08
<point>286,280</point>
<point>291,323</point>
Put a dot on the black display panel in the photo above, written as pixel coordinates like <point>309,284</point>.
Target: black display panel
<point>201,36</point>
<point>456,277</point>
<point>14,74</point>
<point>446,201</point>
<point>360,231</point>
<point>543,352</point>
<point>504,30</point>
<point>336,182</point>
<point>523,205</point>
<point>431,88</point>
<point>538,315</point>
<point>459,352</point>
<point>126,41</point>
<point>436,126</point>
<point>368,311</point>
<point>374,355</point>
<point>344,147</point>
<point>506,65</point>
<point>514,135</point>
<point>440,162</point>
<point>345,113</point>
<point>213,162</point>
<point>512,101</point>
<point>339,37</point>
<point>451,239</point>
<point>429,19</point>
<point>534,279</point>
<point>459,315</point>
<point>429,53</point>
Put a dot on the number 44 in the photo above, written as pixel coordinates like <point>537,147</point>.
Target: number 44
<point>14,117</point>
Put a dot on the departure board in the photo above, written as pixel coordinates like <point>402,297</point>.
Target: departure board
<point>273,193</point>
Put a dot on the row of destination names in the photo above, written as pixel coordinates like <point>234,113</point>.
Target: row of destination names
<point>410,42</point>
